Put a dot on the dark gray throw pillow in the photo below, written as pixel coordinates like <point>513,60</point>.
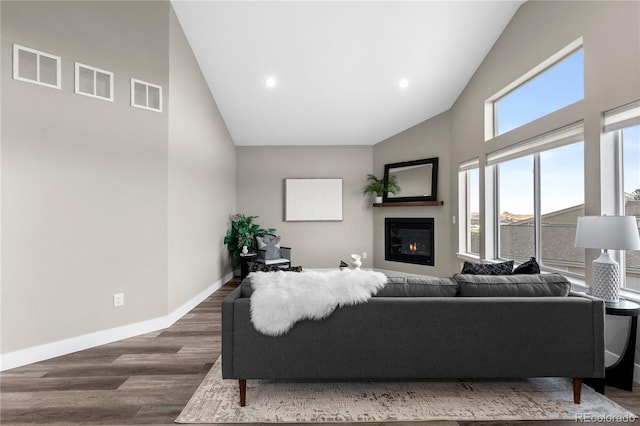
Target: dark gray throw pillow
<point>529,267</point>
<point>522,285</point>
<point>503,268</point>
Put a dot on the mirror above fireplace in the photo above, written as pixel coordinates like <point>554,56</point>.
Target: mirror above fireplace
<point>417,179</point>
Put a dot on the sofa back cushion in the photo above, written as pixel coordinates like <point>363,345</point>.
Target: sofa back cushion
<point>418,287</point>
<point>521,285</point>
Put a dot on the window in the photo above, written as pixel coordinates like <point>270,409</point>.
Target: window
<point>146,95</point>
<point>469,179</point>
<point>36,67</point>
<point>539,189</point>
<point>622,130</point>
<point>516,211</point>
<point>561,202</point>
<point>94,82</point>
<point>552,85</point>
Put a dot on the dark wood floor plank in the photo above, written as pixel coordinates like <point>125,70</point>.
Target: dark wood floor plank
<point>61,384</point>
<point>146,379</point>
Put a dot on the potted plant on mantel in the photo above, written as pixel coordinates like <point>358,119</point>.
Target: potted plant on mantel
<point>240,235</point>
<point>377,186</point>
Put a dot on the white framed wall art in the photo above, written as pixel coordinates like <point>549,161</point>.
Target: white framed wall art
<point>314,199</point>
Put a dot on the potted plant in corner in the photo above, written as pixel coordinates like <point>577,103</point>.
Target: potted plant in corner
<point>377,186</point>
<point>241,234</point>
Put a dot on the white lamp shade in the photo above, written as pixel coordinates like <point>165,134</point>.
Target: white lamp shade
<point>608,232</point>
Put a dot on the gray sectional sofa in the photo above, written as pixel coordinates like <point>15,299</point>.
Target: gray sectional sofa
<point>466,326</point>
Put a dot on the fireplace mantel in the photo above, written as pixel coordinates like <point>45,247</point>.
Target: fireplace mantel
<point>409,203</point>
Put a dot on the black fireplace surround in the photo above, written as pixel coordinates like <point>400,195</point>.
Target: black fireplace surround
<point>409,240</point>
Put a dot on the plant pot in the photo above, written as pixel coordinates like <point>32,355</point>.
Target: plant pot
<point>377,199</point>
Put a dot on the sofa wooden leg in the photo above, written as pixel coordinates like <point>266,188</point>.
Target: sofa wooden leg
<point>243,392</point>
<point>577,388</point>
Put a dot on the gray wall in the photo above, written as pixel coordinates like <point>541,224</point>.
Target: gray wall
<point>202,167</point>
<point>426,140</point>
<point>260,187</point>
<point>96,195</point>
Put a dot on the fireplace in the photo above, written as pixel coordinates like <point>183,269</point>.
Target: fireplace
<point>409,240</point>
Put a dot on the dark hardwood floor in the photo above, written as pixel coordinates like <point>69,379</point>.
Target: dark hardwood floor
<point>147,379</point>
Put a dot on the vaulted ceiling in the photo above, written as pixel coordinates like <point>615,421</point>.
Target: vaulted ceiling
<point>337,72</point>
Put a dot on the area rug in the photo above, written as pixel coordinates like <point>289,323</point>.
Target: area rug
<point>216,401</point>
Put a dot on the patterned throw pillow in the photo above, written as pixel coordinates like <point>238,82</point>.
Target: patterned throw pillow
<point>503,268</point>
<point>528,267</point>
<point>261,267</point>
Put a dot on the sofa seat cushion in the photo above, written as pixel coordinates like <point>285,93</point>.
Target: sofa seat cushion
<point>418,287</point>
<point>521,285</point>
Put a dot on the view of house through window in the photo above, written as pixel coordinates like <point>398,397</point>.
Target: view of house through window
<point>516,210</point>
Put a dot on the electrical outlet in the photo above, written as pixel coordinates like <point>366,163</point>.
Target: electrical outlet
<point>118,299</point>
<point>364,254</point>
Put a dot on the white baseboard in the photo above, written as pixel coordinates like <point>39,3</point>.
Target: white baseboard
<point>610,358</point>
<point>75,344</point>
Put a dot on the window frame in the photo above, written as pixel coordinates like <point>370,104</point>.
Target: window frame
<point>534,147</point>
<point>95,70</point>
<point>613,124</point>
<point>135,81</point>
<point>464,205</point>
<point>490,116</point>
<point>16,66</point>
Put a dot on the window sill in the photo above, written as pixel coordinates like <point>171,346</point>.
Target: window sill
<point>468,256</point>
<point>628,295</point>
<point>581,286</point>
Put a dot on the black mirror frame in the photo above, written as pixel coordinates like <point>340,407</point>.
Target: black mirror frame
<point>434,180</point>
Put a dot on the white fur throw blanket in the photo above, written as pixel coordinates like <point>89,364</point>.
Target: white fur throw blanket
<point>280,299</point>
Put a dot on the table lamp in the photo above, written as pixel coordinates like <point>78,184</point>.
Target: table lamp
<point>607,232</point>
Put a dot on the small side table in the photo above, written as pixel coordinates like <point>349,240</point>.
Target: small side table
<point>244,263</point>
<point>620,374</point>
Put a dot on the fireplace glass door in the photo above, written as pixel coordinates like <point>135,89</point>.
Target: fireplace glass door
<point>409,240</point>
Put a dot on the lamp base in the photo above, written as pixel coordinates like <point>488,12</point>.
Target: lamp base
<point>606,278</point>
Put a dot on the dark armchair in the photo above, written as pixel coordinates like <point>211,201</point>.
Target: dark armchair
<point>269,251</point>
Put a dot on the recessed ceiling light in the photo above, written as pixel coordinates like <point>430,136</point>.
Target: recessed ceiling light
<point>270,82</point>
<point>403,83</point>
